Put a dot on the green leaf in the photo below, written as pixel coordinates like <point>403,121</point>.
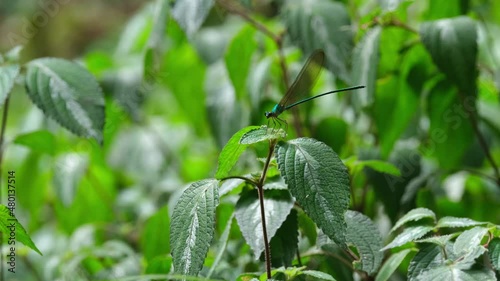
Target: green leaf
<point>469,240</point>
<point>451,132</point>
<point>308,228</point>
<point>393,114</point>
<point>319,181</point>
<point>192,227</point>
<point>333,131</point>
<point>382,167</point>
<point>440,240</point>
<point>14,54</point>
<point>226,114</point>
<point>454,274</point>
<point>390,5</point>
<point>318,275</point>
<point>135,35</point>
<point>68,173</point>
<point>285,243</point>
<point>155,235</point>
<point>365,236</point>
<point>231,152</point>
<point>68,93</point>
<point>260,134</point>
<point>160,19</point>
<point>430,263</point>
<point>391,264</point>
<point>13,230</point>
<point>8,74</point>
<point>428,257</point>
<point>311,26</point>
<point>366,57</point>
<point>410,234</point>
<point>414,215</point>
<point>238,59</point>
<point>452,44</point>
<point>457,222</point>
<point>494,252</point>
<point>277,204</point>
<point>182,62</point>
<point>444,9</point>
<point>159,265</point>
<point>190,14</point>
<point>40,141</point>
<point>222,245</point>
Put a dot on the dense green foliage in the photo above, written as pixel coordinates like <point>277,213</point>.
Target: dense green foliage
<point>153,161</point>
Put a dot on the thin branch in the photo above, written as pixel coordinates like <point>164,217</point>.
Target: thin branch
<point>482,141</point>
<point>235,8</point>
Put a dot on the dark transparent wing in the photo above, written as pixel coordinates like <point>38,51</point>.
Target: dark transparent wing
<point>306,78</point>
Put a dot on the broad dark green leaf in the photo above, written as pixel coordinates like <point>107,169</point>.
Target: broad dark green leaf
<point>285,243</point>
<point>277,204</point>
<point>192,227</point>
<point>8,74</point>
<point>452,44</point>
<point>365,236</point>
<point>391,264</point>
<point>494,252</point>
<point>428,257</point>
<point>311,26</point>
<point>231,152</point>
<point>9,226</point>
<point>319,181</point>
<point>410,234</point>
<point>68,93</point>
<point>238,59</point>
<point>457,222</point>
<point>366,57</point>
<point>40,141</point>
<point>69,170</point>
<point>155,235</point>
<point>190,14</point>
<point>450,133</point>
<point>414,215</point>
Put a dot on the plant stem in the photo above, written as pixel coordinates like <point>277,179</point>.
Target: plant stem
<point>2,141</point>
<point>260,189</point>
<point>235,8</point>
<point>482,141</point>
<point>250,181</point>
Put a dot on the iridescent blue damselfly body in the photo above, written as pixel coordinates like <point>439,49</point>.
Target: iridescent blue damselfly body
<point>301,86</point>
